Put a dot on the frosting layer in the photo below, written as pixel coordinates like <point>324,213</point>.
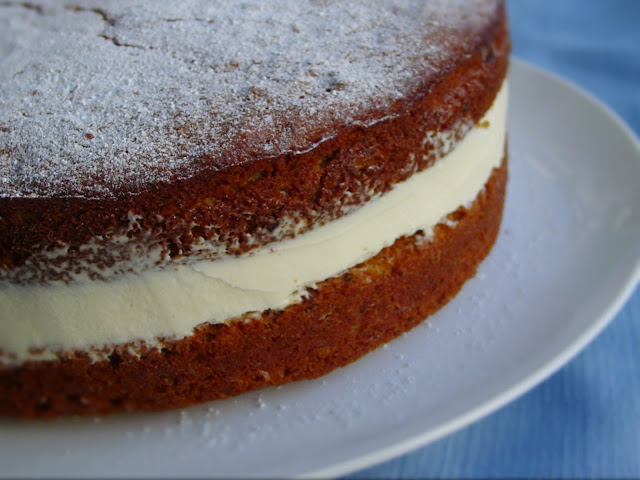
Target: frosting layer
<point>38,320</point>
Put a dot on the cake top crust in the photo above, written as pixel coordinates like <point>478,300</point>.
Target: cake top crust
<point>105,98</point>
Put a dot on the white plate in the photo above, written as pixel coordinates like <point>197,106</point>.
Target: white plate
<point>567,258</point>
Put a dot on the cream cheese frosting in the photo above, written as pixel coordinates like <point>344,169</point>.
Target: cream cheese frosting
<point>37,321</point>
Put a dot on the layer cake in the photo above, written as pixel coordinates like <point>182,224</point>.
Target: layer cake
<point>205,198</point>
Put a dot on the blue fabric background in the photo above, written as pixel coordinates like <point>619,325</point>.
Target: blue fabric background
<point>584,421</point>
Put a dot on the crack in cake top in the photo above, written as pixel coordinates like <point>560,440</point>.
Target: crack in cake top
<point>102,98</point>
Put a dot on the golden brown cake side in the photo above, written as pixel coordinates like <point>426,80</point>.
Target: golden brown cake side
<point>341,320</point>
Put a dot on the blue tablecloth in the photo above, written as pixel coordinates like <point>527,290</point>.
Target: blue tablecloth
<point>584,421</point>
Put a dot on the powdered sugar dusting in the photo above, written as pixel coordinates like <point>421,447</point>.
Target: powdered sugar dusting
<point>112,96</point>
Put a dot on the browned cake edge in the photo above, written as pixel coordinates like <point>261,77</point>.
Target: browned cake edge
<point>342,319</point>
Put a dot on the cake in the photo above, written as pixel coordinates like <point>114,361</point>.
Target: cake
<point>202,198</point>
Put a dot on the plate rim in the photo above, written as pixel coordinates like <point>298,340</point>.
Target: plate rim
<point>538,376</point>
